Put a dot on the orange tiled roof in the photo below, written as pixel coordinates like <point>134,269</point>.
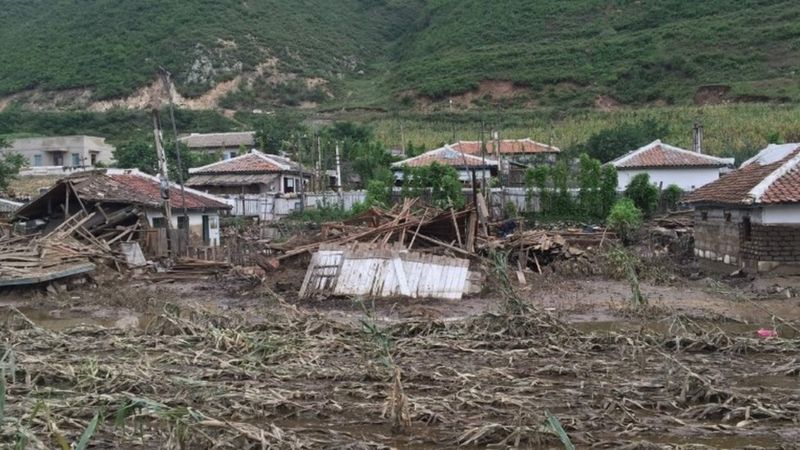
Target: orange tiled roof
<point>448,156</point>
<point>658,154</point>
<point>506,147</point>
<point>253,162</point>
<point>769,178</point>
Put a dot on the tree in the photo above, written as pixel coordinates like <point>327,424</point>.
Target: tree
<point>439,180</point>
<point>608,188</point>
<point>279,132</point>
<point>670,197</point>
<point>536,178</point>
<point>589,187</point>
<point>140,153</point>
<point>562,201</point>
<point>643,194</point>
<point>611,143</point>
<point>10,165</point>
<point>379,189</point>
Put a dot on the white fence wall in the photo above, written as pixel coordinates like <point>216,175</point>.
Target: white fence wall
<point>269,207</point>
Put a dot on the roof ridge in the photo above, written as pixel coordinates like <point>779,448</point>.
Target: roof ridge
<point>787,166</point>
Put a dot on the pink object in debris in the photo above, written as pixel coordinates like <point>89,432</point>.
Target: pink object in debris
<point>766,333</point>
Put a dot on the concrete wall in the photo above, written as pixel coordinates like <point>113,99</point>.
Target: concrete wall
<point>64,151</point>
<point>686,178</point>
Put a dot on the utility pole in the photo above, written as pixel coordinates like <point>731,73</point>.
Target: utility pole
<point>402,138</point>
<point>697,137</point>
<point>452,121</point>
<point>168,86</point>
<point>338,170</point>
<point>338,174</point>
<point>320,177</point>
<point>302,176</point>
<point>164,180</point>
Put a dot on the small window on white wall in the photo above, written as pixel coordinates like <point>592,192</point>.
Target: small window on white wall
<point>288,185</point>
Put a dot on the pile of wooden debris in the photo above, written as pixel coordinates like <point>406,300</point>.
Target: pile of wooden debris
<point>71,248</point>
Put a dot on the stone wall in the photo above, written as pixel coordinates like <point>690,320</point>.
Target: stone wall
<point>769,246</point>
<point>716,235</point>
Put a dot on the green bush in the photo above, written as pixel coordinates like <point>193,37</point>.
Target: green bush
<point>625,219</point>
<point>643,194</point>
<point>671,196</point>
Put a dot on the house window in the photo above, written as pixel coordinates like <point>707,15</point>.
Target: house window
<point>76,160</point>
<point>747,229</point>
<point>159,222</point>
<point>228,155</point>
<point>183,222</point>
<point>58,159</point>
<point>288,185</point>
<point>727,216</point>
<point>37,160</point>
<point>93,157</point>
<point>704,216</point>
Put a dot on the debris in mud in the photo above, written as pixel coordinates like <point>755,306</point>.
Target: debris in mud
<point>195,380</point>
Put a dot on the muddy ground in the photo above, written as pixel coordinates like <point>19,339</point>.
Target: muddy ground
<point>240,364</point>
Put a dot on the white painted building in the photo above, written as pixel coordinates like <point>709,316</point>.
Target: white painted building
<point>63,152</point>
<point>668,165</point>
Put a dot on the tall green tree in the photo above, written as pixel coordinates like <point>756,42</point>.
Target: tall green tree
<point>609,180</point>
<point>10,165</point>
<point>643,194</point>
<point>612,143</point>
<point>562,204</point>
<point>589,187</point>
<point>140,153</point>
<point>536,181</point>
<point>279,132</point>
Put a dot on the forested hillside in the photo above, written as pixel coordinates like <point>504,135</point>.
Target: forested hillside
<point>382,53</point>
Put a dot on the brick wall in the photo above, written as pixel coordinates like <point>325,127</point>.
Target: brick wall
<point>774,243</point>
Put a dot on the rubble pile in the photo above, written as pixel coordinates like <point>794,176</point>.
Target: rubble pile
<point>71,248</point>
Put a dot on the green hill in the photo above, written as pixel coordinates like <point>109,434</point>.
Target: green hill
<point>384,53</point>
<point>632,51</point>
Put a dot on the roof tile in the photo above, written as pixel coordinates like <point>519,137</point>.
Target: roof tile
<point>657,154</point>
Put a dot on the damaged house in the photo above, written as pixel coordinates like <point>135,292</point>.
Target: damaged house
<point>750,218</point>
<point>252,173</point>
<point>116,199</point>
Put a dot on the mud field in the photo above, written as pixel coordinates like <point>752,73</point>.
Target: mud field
<point>244,367</point>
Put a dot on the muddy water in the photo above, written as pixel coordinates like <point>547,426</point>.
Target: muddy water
<point>62,319</point>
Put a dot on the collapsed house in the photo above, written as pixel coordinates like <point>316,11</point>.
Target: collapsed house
<point>750,218</point>
<point>122,198</point>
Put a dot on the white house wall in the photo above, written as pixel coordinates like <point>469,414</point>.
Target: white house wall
<point>780,214</point>
<point>685,178</point>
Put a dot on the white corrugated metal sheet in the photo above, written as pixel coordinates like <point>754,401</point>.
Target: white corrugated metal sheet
<point>364,270</point>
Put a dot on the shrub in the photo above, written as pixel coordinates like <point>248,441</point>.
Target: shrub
<point>625,219</point>
<point>671,196</point>
<point>643,194</point>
